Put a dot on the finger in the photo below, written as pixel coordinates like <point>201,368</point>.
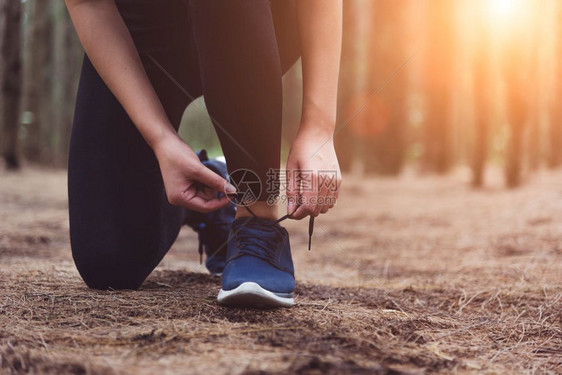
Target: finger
<point>209,178</point>
<point>190,199</point>
<point>323,194</point>
<point>330,185</point>
<point>206,193</point>
<point>201,204</point>
<point>333,200</point>
<point>335,192</point>
<point>308,196</point>
<point>329,201</point>
<point>333,197</point>
<point>326,200</point>
<point>293,183</point>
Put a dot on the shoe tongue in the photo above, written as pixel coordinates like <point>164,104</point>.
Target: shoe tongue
<point>258,237</point>
<point>264,226</point>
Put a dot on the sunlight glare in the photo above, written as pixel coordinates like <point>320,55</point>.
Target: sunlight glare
<point>504,11</point>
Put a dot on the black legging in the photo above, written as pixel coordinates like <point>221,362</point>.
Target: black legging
<point>231,51</point>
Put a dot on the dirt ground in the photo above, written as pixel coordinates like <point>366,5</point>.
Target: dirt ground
<point>409,275</point>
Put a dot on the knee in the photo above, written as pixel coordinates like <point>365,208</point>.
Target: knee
<point>107,272</point>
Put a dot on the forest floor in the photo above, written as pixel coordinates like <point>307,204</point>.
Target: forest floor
<point>409,275</point>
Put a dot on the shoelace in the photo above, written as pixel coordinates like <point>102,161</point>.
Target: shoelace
<point>202,228</point>
<point>262,246</point>
<point>204,242</point>
<point>238,198</point>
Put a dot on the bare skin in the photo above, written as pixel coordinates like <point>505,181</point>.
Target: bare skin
<point>320,28</point>
<point>110,47</point>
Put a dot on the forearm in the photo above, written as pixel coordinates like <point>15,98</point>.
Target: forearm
<point>111,50</point>
<point>320,28</point>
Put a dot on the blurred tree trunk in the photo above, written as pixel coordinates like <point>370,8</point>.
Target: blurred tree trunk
<point>383,136</point>
<point>520,79</point>
<point>439,59</point>
<point>66,65</point>
<point>482,123</point>
<point>535,91</point>
<point>37,79</point>
<point>11,79</point>
<point>517,114</point>
<point>352,79</point>
<point>555,128</point>
<point>482,100</point>
<point>533,143</point>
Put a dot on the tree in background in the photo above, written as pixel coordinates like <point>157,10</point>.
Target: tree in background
<point>67,56</point>
<point>481,66</point>
<point>52,65</point>
<point>449,106</point>
<point>356,28</point>
<point>555,129</point>
<point>536,91</point>
<point>439,57</point>
<point>10,79</point>
<point>38,78</point>
<point>518,67</point>
<point>390,52</point>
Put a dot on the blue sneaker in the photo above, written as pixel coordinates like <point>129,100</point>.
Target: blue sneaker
<point>259,269</point>
<point>213,228</point>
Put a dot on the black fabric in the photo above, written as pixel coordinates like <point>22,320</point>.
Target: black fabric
<point>233,52</point>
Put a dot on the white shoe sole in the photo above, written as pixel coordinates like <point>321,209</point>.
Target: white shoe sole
<point>252,295</point>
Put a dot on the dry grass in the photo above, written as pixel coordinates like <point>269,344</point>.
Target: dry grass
<point>405,276</point>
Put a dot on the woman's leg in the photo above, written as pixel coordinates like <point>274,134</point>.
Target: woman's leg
<point>121,224</point>
<point>241,69</point>
<point>287,32</point>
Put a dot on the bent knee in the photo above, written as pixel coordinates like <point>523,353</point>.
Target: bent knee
<point>109,273</point>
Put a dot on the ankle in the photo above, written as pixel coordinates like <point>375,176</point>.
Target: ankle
<point>261,209</point>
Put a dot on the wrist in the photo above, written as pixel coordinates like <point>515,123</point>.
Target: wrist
<point>163,140</point>
<point>316,129</point>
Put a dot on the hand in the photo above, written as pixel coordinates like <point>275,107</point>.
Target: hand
<point>187,181</point>
<point>313,174</point>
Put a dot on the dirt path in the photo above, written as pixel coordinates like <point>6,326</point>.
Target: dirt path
<point>405,276</point>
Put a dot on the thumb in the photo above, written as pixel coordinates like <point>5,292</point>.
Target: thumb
<point>209,178</point>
